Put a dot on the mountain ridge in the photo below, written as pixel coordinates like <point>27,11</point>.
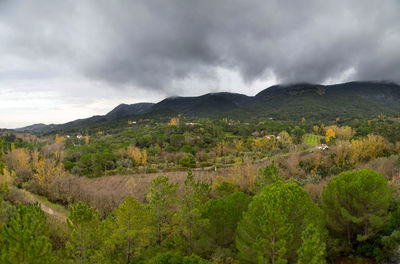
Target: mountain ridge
<point>278,101</point>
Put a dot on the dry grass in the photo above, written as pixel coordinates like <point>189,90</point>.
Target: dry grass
<point>107,192</point>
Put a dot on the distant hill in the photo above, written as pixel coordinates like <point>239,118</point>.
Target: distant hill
<point>283,102</point>
<point>212,103</point>
<point>124,110</point>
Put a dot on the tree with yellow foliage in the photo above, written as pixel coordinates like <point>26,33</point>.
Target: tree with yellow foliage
<point>367,148</point>
<point>316,129</point>
<point>397,147</point>
<point>173,122</point>
<point>238,144</point>
<point>220,148</point>
<point>17,159</point>
<point>144,157</point>
<point>330,134</point>
<point>46,170</point>
<point>284,139</point>
<point>59,139</point>
<point>341,151</point>
<point>344,132</point>
<point>134,153</point>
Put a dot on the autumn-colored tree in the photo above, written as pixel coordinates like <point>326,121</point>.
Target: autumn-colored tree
<point>341,151</point>
<point>46,170</point>
<point>284,140</point>
<point>330,134</point>
<point>344,132</point>
<point>397,147</point>
<point>238,145</point>
<point>17,159</point>
<point>135,154</point>
<point>221,148</point>
<point>121,152</point>
<point>144,157</point>
<point>367,148</point>
<point>174,121</point>
<point>316,129</point>
<point>59,139</point>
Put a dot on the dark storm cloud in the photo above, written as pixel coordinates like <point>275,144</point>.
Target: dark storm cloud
<point>153,43</point>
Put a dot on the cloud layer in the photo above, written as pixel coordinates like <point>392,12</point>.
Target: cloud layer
<point>186,46</point>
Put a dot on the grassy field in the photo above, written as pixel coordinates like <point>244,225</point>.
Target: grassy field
<point>311,139</point>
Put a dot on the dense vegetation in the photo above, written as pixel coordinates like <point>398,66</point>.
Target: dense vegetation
<point>197,190</point>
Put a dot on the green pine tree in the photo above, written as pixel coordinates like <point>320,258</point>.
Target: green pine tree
<point>82,227</point>
<point>356,204</point>
<point>133,228</point>
<point>266,176</point>
<point>189,215</point>
<point>313,248</point>
<point>270,231</point>
<point>23,240</point>
<point>162,198</point>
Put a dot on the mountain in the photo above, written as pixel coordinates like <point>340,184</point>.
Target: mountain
<point>205,105</point>
<point>326,102</point>
<point>124,110</point>
<point>283,102</point>
<point>121,111</point>
<point>35,127</point>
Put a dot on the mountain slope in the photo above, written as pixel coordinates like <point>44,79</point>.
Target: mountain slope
<point>284,102</point>
<point>124,110</point>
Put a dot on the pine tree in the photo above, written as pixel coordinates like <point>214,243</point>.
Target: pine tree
<point>82,226</point>
<point>270,231</point>
<point>189,216</point>
<point>23,240</point>
<point>356,204</point>
<point>162,198</point>
<point>266,176</point>
<point>133,227</point>
<point>313,248</point>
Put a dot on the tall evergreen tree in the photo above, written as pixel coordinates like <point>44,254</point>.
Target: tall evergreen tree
<point>270,231</point>
<point>82,227</point>
<point>223,216</point>
<point>356,205</point>
<point>313,248</point>
<point>162,198</point>
<point>23,240</point>
<point>189,215</point>
<point>133,227</point>
<point>266,176</point>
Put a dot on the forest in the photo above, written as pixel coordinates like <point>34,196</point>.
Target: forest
<point>199,190</point>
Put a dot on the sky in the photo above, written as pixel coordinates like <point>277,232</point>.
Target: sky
<point>63,60</point>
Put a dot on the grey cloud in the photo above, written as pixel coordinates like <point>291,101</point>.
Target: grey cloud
<point>153,43</point>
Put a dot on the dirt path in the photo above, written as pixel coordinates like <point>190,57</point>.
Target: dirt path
<point>53,213</point>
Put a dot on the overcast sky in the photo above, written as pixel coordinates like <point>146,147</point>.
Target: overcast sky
<point>66,59</point>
